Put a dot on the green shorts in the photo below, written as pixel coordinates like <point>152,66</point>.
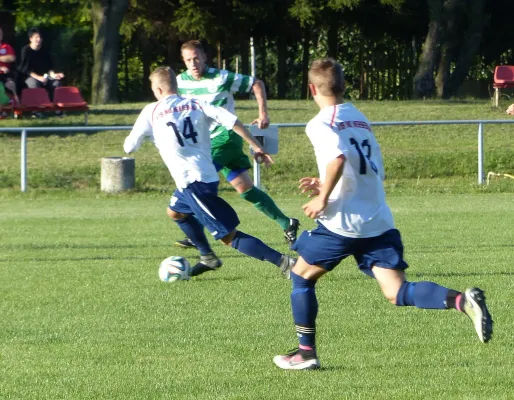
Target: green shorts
<point>228,156</point>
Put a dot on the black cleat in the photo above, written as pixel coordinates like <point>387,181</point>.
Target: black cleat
<point>286,265</point>
<point>292,230</point>
<point>185,244</point>
<point>208,262</point>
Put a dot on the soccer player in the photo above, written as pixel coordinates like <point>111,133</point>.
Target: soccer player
<point>354,220</point>
<point>217,87</point>
<point>179,128</point>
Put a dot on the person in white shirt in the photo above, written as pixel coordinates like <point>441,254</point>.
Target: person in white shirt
<point>354,220</point>
<point>179,128</point>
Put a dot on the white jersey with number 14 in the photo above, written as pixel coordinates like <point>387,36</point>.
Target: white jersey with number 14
<point>179,128</point>
<point>357,205</point>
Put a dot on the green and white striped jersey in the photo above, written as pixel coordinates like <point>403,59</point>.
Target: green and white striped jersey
<point>215,87</point>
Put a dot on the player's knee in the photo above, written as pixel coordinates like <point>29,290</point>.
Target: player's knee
<point>391,299</point>
<point>227,240</point>
<point>391,295</point>
<point>175,216</point>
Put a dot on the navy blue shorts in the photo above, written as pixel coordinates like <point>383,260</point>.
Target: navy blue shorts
<point>202,200</point>
<point>327,249</point>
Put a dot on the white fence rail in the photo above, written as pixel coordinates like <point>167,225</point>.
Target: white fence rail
<point>26,131</point>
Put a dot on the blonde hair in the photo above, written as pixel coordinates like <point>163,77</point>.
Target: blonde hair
<point>165,78</point>
<point>192,45</point>
<point>328,77</point>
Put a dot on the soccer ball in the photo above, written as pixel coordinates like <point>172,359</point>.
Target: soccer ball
<point>174,269</point>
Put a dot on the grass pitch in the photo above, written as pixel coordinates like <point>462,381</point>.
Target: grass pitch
<point>84,315</point>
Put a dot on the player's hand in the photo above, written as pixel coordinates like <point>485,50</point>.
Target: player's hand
<point>314,207</point>
<point>262,158</point>
<point>310,186</point>
<point>4,70</point>
<point>510,110</point>
<point>262,122</point>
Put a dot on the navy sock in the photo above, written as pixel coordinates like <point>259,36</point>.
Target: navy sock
<point>305,309</point>
<point>422,295</point>
<point>253,247</point>
<point>194,231</point>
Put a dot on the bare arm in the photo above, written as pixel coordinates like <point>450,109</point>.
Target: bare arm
<point>334,171</point>
<point>259,154</point>
<point>9,58</point>
<point>259,91</point>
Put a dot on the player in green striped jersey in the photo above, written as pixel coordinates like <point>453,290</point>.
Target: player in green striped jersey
<point>217,87</point>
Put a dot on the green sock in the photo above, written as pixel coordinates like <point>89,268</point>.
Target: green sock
<point>266,205</point>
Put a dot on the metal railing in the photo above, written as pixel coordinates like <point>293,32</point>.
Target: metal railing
<point>70,129</point>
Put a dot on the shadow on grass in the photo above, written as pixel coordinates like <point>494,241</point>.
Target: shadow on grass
<point>94,258</point>
<point>117,111</point>
<point>210,277</point>
<point>458,274</point>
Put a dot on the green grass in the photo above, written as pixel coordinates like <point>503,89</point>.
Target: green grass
<point>440,158</point>
<point>84,315</point>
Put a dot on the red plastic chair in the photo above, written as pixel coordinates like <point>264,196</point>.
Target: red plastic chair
<point>68,98</point>
<point>503,79</point>
<point>34,100</point>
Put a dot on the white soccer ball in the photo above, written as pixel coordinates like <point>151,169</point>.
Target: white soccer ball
<point>174,269</point>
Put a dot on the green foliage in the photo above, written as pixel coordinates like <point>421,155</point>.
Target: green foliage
<point>51,13</point>
<point>378,41</point>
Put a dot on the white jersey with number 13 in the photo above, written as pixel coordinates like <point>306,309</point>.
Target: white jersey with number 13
<point>357,205</point>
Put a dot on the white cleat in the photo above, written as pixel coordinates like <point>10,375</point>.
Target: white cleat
<point>297,359</point>
<point>476,309</point>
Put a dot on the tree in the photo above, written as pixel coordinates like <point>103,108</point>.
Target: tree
<point>107,16</point>
<point>452,42</point>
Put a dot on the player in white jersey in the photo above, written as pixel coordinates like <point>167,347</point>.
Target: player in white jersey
<point>217,88</point>
<point>354,220</point>
<point>179,128</point>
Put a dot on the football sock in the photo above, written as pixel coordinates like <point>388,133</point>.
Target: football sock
<point>266,205</point>
<point>422,295</point>
<point>253,247</point>
<point>305,310</point>
<point>194,231</point>
<point>455,300</point>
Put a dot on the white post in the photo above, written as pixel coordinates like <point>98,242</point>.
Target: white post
<point>480,154</point>
<point>23,161</point>
<point>256,165</point>
<point>237,65</point>
<point>256,174</point>
<point>252,57</point>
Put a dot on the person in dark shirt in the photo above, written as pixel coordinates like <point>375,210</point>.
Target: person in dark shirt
<point>36,65</point>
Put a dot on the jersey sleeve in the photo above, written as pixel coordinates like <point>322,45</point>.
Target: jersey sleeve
<point>238,83</point>
<point>141,129</point>
<point>218,114</point>
<point>325,141</point>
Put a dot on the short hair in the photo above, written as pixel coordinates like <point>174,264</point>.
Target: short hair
<point>33,31</point>
<point>328,77</point>
<point>192,45</point>
<point>165,77</point>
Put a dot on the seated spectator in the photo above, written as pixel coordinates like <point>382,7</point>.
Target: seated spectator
<point>36,65</point>
<point>4,100</point>
<point>7,57</point>
<point>510,110</point>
